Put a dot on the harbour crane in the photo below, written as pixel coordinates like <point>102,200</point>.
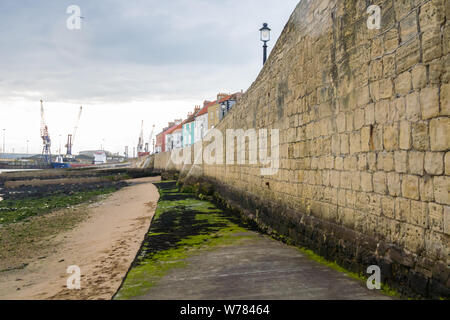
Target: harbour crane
<point>151,137</point>
<point>71,137</point>
<point>148,144</point>
<point>140,146</point>
<point>46,141</point>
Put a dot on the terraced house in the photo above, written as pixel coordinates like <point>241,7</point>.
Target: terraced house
<point>201,122</point>
<point>189,128</point>
<point>226,103</point>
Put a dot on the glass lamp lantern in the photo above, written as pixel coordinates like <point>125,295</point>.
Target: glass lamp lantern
<point>265,33</point>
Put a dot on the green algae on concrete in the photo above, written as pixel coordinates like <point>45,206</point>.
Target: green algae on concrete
<point>333,265</point>
<point>182,226</point>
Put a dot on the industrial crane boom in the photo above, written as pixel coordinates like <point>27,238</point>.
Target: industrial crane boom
<point>76,125</point>
<point>71,137</point>
<point>151,136</point>
<point>140,147</point>
<point>46,141</point>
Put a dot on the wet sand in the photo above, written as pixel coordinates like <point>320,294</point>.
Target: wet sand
<point>103,246</point>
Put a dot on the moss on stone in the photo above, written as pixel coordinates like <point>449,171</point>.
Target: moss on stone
<point>360,277</point>
<point>210,227</point>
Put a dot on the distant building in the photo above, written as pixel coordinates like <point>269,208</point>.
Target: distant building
<point>189,128</point>
<point>160,143</point>
<point>226,103</point>
<point>100,157</point>
<point>214,111</point>
<point>174,138</point>
<point>201,122</point>
<point>213,115</point>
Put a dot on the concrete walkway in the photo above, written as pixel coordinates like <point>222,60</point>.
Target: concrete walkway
<point>257,268</point>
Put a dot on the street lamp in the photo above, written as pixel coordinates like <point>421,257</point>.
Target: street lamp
<point>265,37</point>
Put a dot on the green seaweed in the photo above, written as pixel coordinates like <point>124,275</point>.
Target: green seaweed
<point>12,211</point>
<point>335,266</point>
<point>216,228</point>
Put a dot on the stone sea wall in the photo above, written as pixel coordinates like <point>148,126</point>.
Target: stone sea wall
<point>364,139</point>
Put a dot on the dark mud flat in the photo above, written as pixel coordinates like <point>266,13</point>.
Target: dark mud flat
<point>21,203</point>
<point>125,173</point>
<point>194,250</point>
<point>27,192</point>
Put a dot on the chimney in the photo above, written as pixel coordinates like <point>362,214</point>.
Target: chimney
<point>171,124</point>
<point>238,95</point>
<point>220,96</point>
<point>197,109</point>
<point>206,102</point>
<point>178,121</point>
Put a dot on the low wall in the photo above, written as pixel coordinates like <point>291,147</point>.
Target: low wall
<point>364,139</point>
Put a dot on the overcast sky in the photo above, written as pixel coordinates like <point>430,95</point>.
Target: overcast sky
<point>132,60</point>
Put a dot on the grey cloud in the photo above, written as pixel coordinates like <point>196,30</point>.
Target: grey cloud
<point>132,49</point>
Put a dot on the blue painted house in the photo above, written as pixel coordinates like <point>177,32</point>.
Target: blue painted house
<point>189,128</point>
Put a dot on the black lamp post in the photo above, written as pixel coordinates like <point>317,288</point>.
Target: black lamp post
<point>265,37</point>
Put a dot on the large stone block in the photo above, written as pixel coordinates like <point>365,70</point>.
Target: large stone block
<point>445,99</point>
<point>386,161</point>
<point>434,163</point>
<point>442,189</point>
<point>401,161</point>
<point>420,137</point>
<point>355,142</point>
<point>413,112</point>
<point>440,134</point>
<point>446,40</point>
<point>429,102</point>
<point>358,120</point>
<point>345,147</point>
<point>381,111</point>
<point>426,189</point>
<point>403,84</point>
<point>365,139</point>
<point>391,137</point>
<point>447,163</point>
<point>416,162</point>
<point>394,184</point>
<point>366,182</point>
<point>370,114</point>
<point>408,55</point>
<point>431,44</point>
<point>419,76</point>
<point>386,89</point>
<point>436,217</point>
<point>408,27</point>
<point>405,135</point>
<point>432,15</point>
<point>410,187</point>
<point>447,220</point>
<point>379,182</point>
<point>413,237</point>
<point>402,209</point>
<point>419,214</point>
<point>388,207</point>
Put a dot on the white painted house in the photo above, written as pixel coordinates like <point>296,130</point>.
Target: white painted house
<point>174,138</point>
<point>201,123</point>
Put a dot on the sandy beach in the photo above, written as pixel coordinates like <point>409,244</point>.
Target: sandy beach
<point>103,245</point>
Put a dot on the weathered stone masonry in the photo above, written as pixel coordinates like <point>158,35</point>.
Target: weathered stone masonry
<point>364,139</point>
